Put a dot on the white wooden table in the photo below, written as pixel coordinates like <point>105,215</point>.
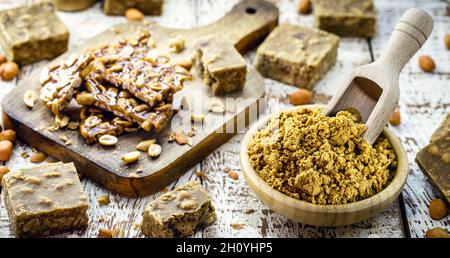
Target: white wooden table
<point>424,100</point>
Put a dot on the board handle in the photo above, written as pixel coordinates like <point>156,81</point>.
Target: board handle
<point>409,35</point>
<point>246,25</point>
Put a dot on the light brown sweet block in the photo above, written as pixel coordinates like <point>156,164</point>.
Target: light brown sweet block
<point>45,199</point>
<point>351,18</point>
<point>220,65</point>
<point>118,7</point>
<point>297,55</point>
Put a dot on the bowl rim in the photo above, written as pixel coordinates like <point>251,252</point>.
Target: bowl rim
<point>394,187</point>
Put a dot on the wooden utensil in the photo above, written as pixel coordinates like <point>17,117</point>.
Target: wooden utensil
<point>323,215</point>
<point>244,26</point>
<point>373,89</point>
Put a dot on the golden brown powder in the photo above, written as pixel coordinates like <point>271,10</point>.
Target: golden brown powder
<point>320,159</point>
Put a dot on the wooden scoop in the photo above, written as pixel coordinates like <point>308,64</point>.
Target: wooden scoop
<point>372,89</point>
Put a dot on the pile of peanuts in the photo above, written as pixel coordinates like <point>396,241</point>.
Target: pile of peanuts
<point>8,69</point>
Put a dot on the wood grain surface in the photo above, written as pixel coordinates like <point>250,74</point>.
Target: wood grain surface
<point>424,100</point>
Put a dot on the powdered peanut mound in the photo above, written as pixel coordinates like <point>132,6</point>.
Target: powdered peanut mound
<point>320,159</point>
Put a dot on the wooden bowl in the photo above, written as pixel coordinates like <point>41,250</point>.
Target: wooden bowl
<point>324,215</point>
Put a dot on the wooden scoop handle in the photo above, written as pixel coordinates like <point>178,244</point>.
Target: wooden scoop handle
<point>409,35</point>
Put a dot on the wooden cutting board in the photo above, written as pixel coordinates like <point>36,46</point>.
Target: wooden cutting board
<point>245,26</point>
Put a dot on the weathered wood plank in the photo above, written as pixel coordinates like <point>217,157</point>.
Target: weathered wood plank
<point>424,101</point>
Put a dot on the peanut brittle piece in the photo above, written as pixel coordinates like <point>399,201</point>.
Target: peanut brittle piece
<point>134,64</point>
<point>95,123</point>
<point>149,81</point>
<point>123,104</point>
<point>60,82</point>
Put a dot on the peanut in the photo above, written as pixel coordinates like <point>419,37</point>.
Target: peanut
<point>29,98</point>
<point>6,149</point>
<point>38,157</point>
<point>154,150</point>
<point>233,175</point>
<point>144,145</point>
<point>304,6</point>
<point>447,40</point>
<point>395,118</point>
<point>300,97</point>
<point>8,135</point>
<point>215,105</point>
<point>180,138</point>
<point>3,171</point>
<point>85,99</point>
<point>107,140</point>
<point>131,157</point>
<point>133,14</point>
<point>10,70</point>
<point>105,233</point>
<point>427,64</point>
<point>437,233</point>
<point>437,209</point>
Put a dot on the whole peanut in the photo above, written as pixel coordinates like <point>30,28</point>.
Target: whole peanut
<point>6,150</point>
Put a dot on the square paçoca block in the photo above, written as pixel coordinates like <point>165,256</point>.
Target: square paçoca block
<point>346,18</point>
<point>118,7</point>
<point>220,65</point>
<point>297,55</point>
<point>179,213</point>
<point>32,33</point>
<point>434,159</point>
<point>45,199</point>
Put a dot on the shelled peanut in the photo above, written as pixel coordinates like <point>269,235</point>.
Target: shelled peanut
<point>8,69</point>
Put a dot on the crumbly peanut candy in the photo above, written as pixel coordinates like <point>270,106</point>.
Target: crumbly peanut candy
<point>179,213</point>
<point>297,55</point>
<point>434,159</point>
<point>95,124</point>
<point>121,103</point>
<point>118,7</point>
<point>221,66</point>
<point>45,199</point>
<point>31,33</point>
<point>62,81</point>
<point>323,160</point>
<point>351,18</point>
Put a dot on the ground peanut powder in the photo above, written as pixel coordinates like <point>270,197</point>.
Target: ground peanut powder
<point>320,159</point>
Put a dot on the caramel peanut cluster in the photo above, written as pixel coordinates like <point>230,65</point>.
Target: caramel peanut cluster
<point>124,87</point>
